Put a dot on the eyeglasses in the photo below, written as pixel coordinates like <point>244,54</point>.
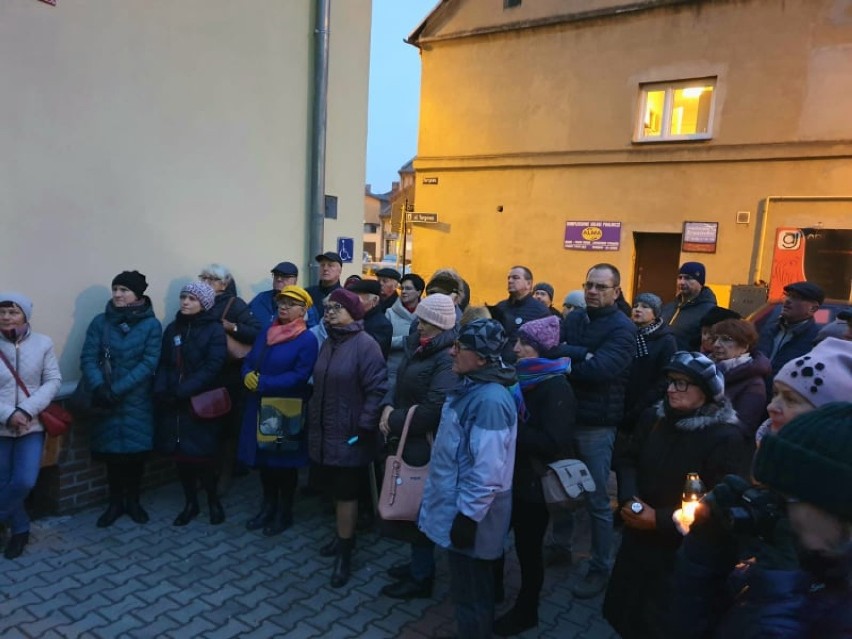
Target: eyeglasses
<point>289,304</point>
<point>724,339</point>
<point>680,385</point>
<point>596,286</point>
<point>332,308</point>
<point>209,278</point>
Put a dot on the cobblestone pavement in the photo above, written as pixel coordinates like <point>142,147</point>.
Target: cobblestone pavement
<point>156,580</point>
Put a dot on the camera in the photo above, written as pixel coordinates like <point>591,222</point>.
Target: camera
<point>744,509</point>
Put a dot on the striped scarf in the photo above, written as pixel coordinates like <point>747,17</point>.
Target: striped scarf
<point>535,370</point>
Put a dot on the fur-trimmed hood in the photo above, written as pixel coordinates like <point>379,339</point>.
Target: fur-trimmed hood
<point>712,413</point>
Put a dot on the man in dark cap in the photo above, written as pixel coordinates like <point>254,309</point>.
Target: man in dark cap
<point>389,279</point>
<point>263,306</point>
<point>544,293</point>
<point>376,325</point>
<point>793,333</point>
<point>693,300</point>
<point>330,266</point>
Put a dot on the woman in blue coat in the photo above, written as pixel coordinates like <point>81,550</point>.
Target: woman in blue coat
<point>127,336</point>
<point>279,365</point>
<point>191,362</point>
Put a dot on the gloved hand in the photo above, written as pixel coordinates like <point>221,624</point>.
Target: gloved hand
<point>463,532</point>
<point>103,396</point>
<point>776,552</point>
<point>251,380</point>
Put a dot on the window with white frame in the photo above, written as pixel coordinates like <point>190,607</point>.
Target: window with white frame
<point>676,111</point>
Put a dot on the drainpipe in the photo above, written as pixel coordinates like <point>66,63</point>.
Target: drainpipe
<point>757,264</point>
<point>316,212</point>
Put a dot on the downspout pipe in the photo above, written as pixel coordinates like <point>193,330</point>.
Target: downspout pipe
<point>316,211</point>
<point>757,264</point>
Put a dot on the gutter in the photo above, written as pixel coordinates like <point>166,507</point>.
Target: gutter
<point>316,208</point>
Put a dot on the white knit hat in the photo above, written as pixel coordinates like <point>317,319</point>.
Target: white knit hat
<point>823,375</point>
<point>437,309</point>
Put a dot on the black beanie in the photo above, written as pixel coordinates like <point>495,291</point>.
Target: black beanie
<point>134,280</point>
<point>811,459</point>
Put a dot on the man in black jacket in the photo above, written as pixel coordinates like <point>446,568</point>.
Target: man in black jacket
<point>600,342</point>
<point>693,300</point>
<point>518,308</point>
<point>376,325</point>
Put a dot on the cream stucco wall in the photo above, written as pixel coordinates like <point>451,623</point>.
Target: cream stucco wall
<point>540,121</point>
<point>159,136</point>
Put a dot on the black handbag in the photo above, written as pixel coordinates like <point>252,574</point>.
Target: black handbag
<point>80,403</point>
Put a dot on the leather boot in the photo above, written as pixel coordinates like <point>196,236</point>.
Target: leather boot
<point>518,619</point>
<point>282,520</point>
<point>113,512</point>
<point>190,511</point>
<point>217,512</point>
<point>264,517</point>
<point>342,563</point>
<point>330,549</point>
<point>16,545</point>
<point>409,589</point>
<point>134,509</point>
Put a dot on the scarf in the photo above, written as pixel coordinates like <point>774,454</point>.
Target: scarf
<point>730,364</point>
<point>535,370</point>
<point>280,333</point>
<point>642,334</point>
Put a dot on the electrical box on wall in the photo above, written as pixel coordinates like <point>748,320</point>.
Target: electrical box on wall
<point>743,217</point>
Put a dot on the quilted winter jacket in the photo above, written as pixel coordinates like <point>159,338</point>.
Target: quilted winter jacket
<point>471,469</point>
<point>350,380</point>
<point>203,352</point>
<point>33,357</point>
<point>684,318</point>
<point>133,337</point>
<point>599,381</point>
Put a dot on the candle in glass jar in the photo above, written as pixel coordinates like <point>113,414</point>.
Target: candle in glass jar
<point>693,491</point>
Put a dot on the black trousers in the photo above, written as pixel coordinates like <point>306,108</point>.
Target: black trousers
<point>529,521</point>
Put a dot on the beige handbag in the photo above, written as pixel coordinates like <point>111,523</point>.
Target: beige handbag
<point>402,485</point>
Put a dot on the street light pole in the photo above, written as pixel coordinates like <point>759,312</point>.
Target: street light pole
<point>405,211</point>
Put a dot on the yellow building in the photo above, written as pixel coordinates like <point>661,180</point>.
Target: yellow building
<point>642,133</point>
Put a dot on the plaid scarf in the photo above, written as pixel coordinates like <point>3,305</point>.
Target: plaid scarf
<point>642,333</point>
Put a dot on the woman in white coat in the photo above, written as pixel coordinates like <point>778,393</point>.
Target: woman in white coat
<point>21,433</point>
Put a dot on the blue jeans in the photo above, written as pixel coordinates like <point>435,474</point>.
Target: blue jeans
<point>594,448</point>
<point>20,462</point>
<point>472,591</point>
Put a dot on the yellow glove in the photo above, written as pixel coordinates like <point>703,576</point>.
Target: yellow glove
<point>251,379</point>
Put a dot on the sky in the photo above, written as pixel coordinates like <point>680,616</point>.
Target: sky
<point>394,89</point>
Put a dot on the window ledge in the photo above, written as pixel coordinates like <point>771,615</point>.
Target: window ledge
<point>683,138</point>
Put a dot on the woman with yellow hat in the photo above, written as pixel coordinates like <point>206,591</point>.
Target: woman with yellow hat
<point>272,439</point>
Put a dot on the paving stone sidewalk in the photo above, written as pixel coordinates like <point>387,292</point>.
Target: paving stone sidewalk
<point>156,580</point>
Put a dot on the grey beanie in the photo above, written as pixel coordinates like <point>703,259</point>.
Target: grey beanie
<point>701,370</point>
<point>576,299</point>
<point>20,300</point>
<point>651,301</point>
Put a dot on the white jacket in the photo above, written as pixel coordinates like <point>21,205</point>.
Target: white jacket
<point>35,361</point>
<point>400,318</point>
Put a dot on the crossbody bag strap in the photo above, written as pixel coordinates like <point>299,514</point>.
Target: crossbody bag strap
<point>14,373</point>
<point>408,417</point>
<point>227,308</point>
<point>106,363</point>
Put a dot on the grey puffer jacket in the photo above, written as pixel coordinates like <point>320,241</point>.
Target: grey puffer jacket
<point>33,357</point>
<point>400,319</point>
<point>350,380</point>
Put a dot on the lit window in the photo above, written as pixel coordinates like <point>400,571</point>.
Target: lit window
<point>676,111</point>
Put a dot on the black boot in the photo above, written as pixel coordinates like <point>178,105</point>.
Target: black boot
<point>16,545</point>
<point>113,512</point>
<point>190,511</point>
<point>342,563</point>
<point>499,589</point>
<point>330,549</point>
<point>268,508</point>
<point>409,589</point>
<point>133,480</point>
<point>283,518</point>
<point>217,512</point>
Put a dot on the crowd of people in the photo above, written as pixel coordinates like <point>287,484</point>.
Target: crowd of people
<point>328,377</point>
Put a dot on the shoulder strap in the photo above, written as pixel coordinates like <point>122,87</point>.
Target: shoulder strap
<point>106,366</point>
<point>227,307</point>
<point>18,377</point>
<point>404,435</point>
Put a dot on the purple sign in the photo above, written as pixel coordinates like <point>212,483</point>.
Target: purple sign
<point>592,236</point>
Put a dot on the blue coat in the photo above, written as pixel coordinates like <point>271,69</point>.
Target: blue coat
<point>265,309</point>
<point>796,341</point>
<point>133,336</point>
<point>471,469</point>
<point>204,352</point>
<point>599,382</point>
<point>284,372</point>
